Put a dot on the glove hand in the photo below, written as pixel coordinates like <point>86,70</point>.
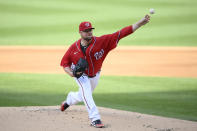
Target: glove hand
<point>80,68</point>
<point>77,74</point>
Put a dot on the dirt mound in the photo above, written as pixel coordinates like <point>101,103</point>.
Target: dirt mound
<point>50,118</point>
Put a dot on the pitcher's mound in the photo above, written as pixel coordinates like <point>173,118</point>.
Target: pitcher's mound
<point>75,118</point>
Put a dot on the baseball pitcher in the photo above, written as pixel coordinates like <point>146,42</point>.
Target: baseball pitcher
<point>83,61</point>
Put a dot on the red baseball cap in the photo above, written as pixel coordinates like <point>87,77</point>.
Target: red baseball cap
<point>85,25</point>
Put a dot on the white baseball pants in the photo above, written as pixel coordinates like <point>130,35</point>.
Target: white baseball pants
<point>86,87</point>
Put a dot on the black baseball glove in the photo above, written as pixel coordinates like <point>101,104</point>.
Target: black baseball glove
<point>80,68</point>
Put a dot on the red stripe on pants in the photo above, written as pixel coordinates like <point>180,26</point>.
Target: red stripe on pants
<point>83,94</point>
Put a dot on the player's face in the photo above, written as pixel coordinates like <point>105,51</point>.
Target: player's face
<point>86,34</point>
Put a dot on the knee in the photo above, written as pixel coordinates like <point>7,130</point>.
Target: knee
<point>70,94</point>
<point>76,96</point>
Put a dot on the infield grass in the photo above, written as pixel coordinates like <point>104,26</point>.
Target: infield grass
<point>171,97</point>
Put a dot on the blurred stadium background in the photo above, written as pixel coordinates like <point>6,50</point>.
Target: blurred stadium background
<point>49,22</point>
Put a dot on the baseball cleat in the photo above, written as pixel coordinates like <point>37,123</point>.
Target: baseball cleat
<point>97,124</point>
<point>64,106</point>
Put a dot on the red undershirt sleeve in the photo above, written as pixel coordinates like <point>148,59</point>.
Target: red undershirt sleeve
<point>113,39</point>
<point>65,62</point>
<point>125,32</point>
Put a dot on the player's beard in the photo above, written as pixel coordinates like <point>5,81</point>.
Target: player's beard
<point>88,39</point>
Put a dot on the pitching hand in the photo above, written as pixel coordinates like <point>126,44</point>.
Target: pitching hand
<point>144,20</point>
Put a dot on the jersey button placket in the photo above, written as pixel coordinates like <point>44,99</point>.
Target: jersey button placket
<point>84,54</point>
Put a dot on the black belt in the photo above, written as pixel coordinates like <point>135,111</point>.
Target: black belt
<point>91,76</point>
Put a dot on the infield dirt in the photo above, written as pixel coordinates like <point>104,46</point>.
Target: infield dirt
<point>123,61</point>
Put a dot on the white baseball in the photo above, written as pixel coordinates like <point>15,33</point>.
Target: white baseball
<point>152,11</point>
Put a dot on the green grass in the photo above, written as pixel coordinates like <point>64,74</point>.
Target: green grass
<point>49,22</point>
<point>171,97</point>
